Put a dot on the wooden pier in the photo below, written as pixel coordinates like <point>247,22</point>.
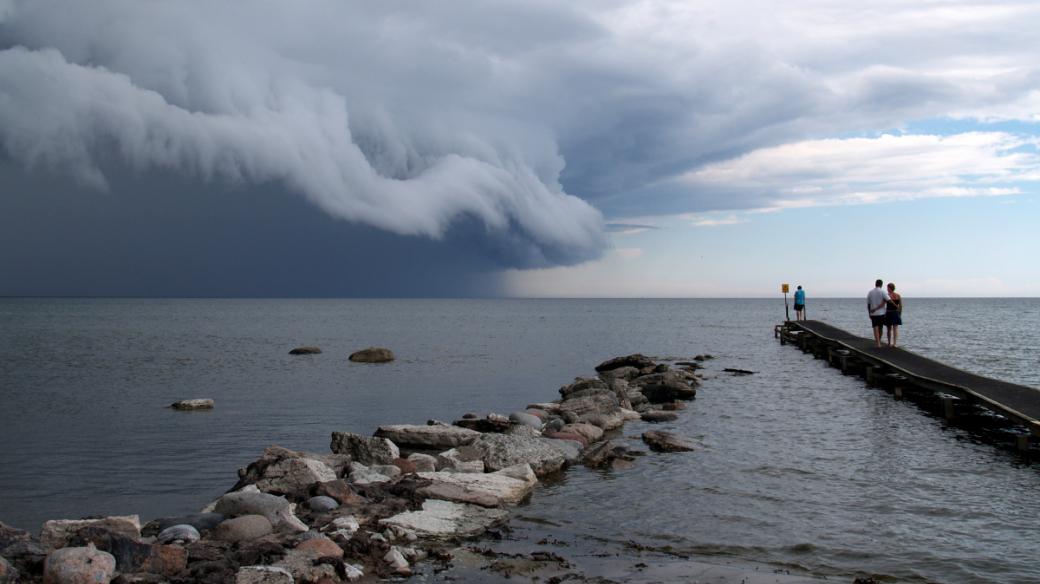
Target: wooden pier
<point>960,397</point>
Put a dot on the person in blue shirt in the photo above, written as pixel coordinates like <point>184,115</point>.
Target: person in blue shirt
<point>799,304</point>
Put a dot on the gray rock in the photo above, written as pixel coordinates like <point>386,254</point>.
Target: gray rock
<point>427,437</point>
<point>193,404</point>
<point>322,503</point>
<point>250,501</point>
<point>8,573</point>
<point>56,533</point>
<point>202,522</point>
<point>600,403</point>
<point>444,519</point>
<point>500,451</point>
<point>605,453</point>
<point>395,559</point>
<point>584,387</point>
<point>423,462</point>
<point>526,419</point>
<point>588,431</point>
<point>626,372</point>
<point>464,459</point>
<point>372,355</point>
<point>657,416</point>
<point>554,424</point>
<point>294,475</point>
<point>183,534</point>
<point>365,449</point>
<point>365,475</point>
<point>666,387</point>
<point>79,565</point>
<point>522,430</point>
<point>660,441</point>
<point>305,351</point>
<point>570,449</point>
<point>506,487</point>
<point>263,575</point>
<point>243,528</point>
<point>636,360</point>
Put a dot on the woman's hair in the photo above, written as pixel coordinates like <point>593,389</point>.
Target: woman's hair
<point>891,286</point>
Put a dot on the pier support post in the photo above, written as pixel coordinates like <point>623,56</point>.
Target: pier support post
<point>897,391</point>
<point>1022,442</point>
<point>844,359</point>
<point>947,407</point>
<point>872,374</point>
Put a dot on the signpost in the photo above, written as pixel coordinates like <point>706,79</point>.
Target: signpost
<point>785,288</point>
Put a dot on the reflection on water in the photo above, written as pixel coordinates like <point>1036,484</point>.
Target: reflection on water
<point>800,467</point>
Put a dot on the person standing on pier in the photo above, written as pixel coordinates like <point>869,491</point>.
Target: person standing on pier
<point>893,314</point>
<point>799,304</point>
<point>877,300</point>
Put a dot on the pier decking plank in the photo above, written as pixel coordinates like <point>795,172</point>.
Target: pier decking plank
<point>1017,399</point>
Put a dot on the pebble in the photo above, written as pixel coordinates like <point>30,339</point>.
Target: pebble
<point>182,534</point>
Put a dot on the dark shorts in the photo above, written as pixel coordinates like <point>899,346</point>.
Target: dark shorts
<point>893,318</point>
<point>799,307</point>
<point>877,321</point>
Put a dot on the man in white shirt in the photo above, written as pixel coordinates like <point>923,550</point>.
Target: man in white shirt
<point>877,300</point>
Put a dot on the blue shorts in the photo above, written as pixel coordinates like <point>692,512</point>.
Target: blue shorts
<point>799,307</point>
<point>894,318</point>
<point>877,321</point>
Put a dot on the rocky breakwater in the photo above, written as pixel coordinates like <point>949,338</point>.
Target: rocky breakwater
<point>375,505</point>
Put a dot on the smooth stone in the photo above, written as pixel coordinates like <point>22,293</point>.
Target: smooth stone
<point>79,565</point>
<point>526,420</point>
<point>444,519</point>
<point>322,503</point>
<point>321,547</point>
<point>572,436</point>
<point>395,559</point>
<point>538,413</point>
<point>56,532</point>
<point>193,404</point>
<point>427,437</point>
<point>660,441</point>
<point>202,522</point>
<point>367,450</point>
<point>263,575</point>
<point>423,462</point>
<point>305,351</point>
<point>183,534</point>
<point>499,451</point>
<point>250,501</point>
<point>372,355</point>
<point>243,528</point>
<point>657,416</point>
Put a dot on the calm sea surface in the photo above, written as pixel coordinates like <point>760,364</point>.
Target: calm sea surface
<point>801,468</point>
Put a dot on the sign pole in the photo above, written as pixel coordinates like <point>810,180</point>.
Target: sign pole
<point>785,288</point>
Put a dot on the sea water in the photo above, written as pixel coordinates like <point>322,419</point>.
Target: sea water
<point>799,467</point>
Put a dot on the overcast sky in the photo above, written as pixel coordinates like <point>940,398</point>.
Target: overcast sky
<point>586,148</point>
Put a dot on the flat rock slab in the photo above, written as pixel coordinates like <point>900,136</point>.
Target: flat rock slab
<point>486,490</point>
<point>56,533</point>
<point>372,355</point>
<point>427,437</point>
<point>660,441</point>
<point>443,519</point>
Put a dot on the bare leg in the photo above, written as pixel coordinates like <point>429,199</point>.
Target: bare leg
<point>889,333</point>
<point>894,331</point>
<point>877,336</point>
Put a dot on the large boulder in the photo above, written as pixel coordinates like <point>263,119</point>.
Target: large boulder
<point>79,565</point>
<point>584,387</point>
<point>636,360</point>
<point>250,501</point>
<point>286,472</point>
<point>444,519</point>
<point>660,441</point>
<point>499,451</point>
<point>505,487</point>
<point>666,387</point>
<point>428,437</point>
<point>365,449</point>
<point>57,532</point>
<point>372,355</point>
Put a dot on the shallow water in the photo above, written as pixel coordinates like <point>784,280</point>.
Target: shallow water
<point>801,468</point>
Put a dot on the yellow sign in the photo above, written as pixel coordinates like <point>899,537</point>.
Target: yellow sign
<point>785,288</point>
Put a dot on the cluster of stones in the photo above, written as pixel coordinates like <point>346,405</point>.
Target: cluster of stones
<point>375,505</point>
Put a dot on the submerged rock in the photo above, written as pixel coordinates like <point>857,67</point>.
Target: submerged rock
<point>661,441</point>
<point>372,355</point>
<point>305,351</point>
<point>436,437</point>
<point>443,519</point>
<point>193,404</point>
<point>666,387</point>
<point>657,416</point>
<point>637,360</point>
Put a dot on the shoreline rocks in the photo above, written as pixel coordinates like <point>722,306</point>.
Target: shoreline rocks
<point>363,510</point>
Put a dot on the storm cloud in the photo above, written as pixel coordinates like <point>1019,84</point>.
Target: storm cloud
<point>514,126</point>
